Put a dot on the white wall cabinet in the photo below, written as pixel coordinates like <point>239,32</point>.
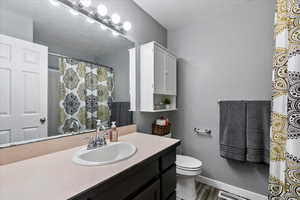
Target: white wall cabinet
<point>157,78</point>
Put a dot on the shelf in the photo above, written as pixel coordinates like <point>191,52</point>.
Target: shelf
<point>161,110</point>
<point>164,92</point>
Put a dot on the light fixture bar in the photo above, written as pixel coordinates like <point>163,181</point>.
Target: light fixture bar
<point>103,20</point>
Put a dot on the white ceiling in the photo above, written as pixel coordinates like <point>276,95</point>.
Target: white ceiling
<point>57,28</point>
<point>174,14</point>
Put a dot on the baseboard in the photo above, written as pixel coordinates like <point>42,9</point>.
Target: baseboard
<point>230,188</point>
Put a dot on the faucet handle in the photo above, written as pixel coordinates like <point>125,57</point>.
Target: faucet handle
<point>91,143</point>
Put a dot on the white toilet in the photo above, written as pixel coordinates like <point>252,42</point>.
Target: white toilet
<point>187,168</point>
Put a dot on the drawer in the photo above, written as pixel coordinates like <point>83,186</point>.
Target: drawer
<point>167,160</point>
<point>168,182</point>
<point>123,185</point>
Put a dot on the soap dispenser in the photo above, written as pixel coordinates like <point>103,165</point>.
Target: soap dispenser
<point>114,132</point>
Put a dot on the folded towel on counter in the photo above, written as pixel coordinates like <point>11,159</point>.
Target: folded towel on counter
<point>233,130</point>
<point>258,131</point>
<point>245,130</point>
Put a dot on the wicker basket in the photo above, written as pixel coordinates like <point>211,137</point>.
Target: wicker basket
<point>161,130</point>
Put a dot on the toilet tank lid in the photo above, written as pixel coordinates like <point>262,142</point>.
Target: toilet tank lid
<point>188,162</point>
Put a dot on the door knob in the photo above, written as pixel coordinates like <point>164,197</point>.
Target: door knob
<point>43,120</point>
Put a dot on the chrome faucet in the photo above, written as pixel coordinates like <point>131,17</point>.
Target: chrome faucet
<point>99,139</point>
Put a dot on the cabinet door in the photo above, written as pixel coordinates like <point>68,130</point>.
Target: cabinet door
<point>168,183</point>
<point>150,193</point>
<point>171,74</point>
<point>159,70</point>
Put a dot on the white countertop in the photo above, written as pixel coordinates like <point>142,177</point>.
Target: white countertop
<point>55,177</point>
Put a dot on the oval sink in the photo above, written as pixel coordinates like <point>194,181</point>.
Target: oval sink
<point>110,153</point>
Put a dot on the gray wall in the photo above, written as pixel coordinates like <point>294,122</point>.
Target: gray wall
<point>15,25</point>
<point>53,102</point>
<point>229,57</point>
<point>119,61</point>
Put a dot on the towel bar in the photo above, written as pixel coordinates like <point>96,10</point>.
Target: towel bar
<point>219,100</point>
<point>205,131</point>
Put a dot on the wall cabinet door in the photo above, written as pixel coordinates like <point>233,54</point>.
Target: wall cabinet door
<point>159,70</point>
<point>164,72</point>
<point>171,74</point>
<point>150,193</point>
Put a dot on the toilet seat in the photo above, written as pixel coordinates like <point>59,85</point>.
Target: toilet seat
<point>188,163</point>
<point>188,169</point>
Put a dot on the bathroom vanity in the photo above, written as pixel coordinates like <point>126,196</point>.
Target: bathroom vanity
<point>150,174</point>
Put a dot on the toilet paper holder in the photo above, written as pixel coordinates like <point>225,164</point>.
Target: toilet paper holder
<point>205,131</point>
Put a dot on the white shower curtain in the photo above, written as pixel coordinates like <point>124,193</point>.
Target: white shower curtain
<point>284,181</point>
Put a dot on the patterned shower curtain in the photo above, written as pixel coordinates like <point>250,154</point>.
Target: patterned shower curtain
<point>284,181</point>
<point>85,94</point>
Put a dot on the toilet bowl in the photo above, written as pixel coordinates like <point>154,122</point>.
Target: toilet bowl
<point>187,168</point>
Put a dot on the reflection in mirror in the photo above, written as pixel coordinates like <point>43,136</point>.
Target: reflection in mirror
<point>61,73</point>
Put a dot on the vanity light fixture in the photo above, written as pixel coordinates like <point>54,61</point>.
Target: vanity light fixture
<point>54,2</point>
<point>102,10</point>
<point>97,15</point>
<point>85,3</point>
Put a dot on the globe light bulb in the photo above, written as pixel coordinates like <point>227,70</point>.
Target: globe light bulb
<point>102,10</point>
<point>127,26</point>
<point>115,18</point>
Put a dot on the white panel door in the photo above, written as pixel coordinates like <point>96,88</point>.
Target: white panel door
<point>25,88</point>
<point>159,70</point>
<point>171,73</point>
<point>8,88</point>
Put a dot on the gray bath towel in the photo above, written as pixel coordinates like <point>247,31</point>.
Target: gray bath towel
<point>121,114</point>
<point>258,131</point>
<point>233,130</point>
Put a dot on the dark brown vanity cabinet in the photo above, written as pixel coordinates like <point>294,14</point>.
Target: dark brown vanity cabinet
<point>152,179</point>
<point>150,193</point>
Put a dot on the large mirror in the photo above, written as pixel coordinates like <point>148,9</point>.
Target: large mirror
<point>59,73</point>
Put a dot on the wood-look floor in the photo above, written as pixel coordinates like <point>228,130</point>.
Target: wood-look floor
<point>206,192</point>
